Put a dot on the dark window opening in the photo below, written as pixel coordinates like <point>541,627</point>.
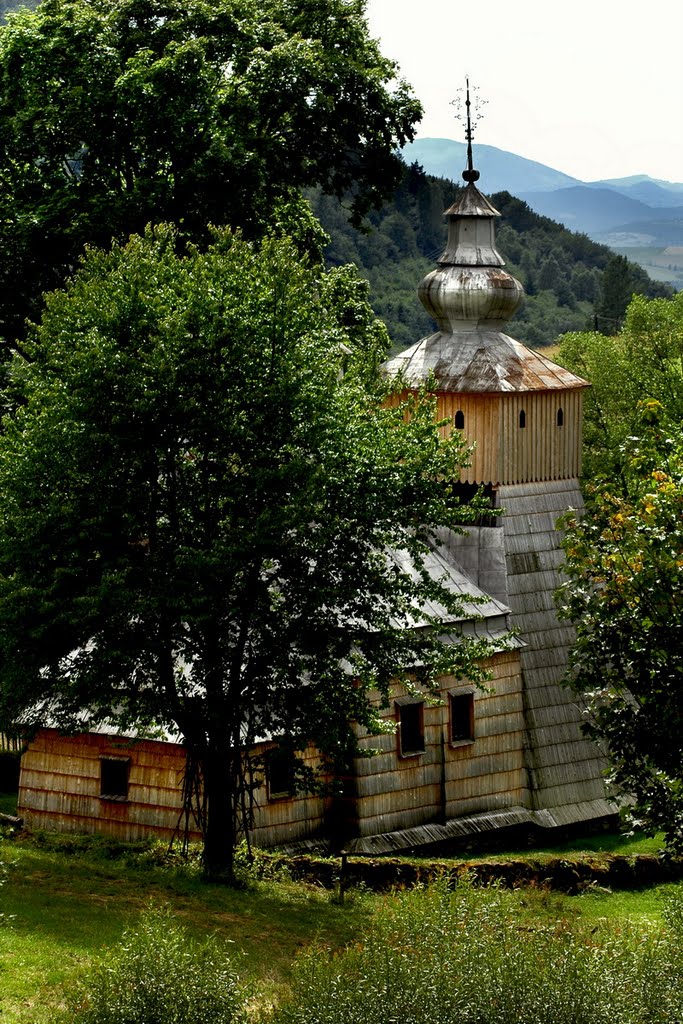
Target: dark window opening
<point>560,418</point>
<point>462,717</point>
<point>459,420</point>
<point>114,778</point>
<point>522,419</point>
<point>280,774</point>
<point>411,728</point>
<point>465,493</point>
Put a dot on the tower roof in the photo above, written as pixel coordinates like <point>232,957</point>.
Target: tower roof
<point>480,361</point>
<point>471,203</point>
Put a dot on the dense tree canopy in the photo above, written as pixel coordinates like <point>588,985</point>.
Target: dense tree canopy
<point>624,559</point>
<point>644,360</point>
<point>616,291</point>
<point>200,494</point>
<point>624,563</point>
<point>113,115</point>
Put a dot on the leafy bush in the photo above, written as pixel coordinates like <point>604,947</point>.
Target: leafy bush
<point>435,956</point>
<point>159,975</point>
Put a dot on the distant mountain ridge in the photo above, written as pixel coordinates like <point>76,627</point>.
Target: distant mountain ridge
<point>500,170</point>
<point>601,207</point>
<point>635,210</point>
<point>652,191</point>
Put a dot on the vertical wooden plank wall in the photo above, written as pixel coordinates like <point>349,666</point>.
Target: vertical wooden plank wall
<point>506,453</point>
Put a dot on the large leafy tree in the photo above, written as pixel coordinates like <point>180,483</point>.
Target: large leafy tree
<point>624,562</point>
<point>201,498</point>
<point>644,360</point>
<point>116,114</point>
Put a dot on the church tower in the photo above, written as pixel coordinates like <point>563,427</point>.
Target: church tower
<point>523,413</point>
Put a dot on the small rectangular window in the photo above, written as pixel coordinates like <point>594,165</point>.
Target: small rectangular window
<point>462,717</point>
<point>411,734</point>
<point>280,774</point>
<point>114,778</point>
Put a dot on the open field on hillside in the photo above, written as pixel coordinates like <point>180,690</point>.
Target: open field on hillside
<point>663,264</point>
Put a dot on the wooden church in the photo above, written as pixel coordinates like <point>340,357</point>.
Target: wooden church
<point>475,761</point>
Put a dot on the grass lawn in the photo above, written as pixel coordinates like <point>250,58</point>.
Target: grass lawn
<point>66,907</point>
<point>8,803</point>
<point>600,842</point>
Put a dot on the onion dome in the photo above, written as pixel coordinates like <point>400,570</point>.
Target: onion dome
<point>470,290</point>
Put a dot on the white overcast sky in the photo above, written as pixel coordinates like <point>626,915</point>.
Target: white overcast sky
<point>593,88</point>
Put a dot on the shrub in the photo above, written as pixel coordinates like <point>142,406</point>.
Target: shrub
<point>159,975</point>
<point>436,956</point>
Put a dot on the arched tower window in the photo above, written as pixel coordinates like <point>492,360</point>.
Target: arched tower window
<point>460,420</point>
<point>522,419</point>
<point>560,418</point>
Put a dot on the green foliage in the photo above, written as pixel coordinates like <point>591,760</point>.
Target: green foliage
<point>8,6</point>
<point>201,500</point>
<point>644,361</point>
<point>196,113</point>
<point>469,956</point>
<point>616,291</point>
<point>159,975</point>
<point>624,563</point>
<point>69,909</point>
<point>624,560</point>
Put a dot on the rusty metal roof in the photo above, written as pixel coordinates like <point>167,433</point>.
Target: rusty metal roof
<point>471,203</point>
<point>480,361</point>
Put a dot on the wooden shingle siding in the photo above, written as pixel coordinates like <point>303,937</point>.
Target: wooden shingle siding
<point>487,773</point>
<point>287,819</point>
<point>60,785</point>
<point>60,790</point>
<point>565,768</point>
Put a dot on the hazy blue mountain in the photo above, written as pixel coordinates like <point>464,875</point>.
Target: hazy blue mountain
<point>593,210</point>
<point>500,170</point>
<point>646,190</point>
<point>644,210</point>
<point>653,194</point>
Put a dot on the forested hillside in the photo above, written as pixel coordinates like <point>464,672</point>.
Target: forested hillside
<point>6,6</point>
<point>562,272</point>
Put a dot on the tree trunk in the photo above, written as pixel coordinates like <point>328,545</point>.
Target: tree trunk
<point>220,786</point>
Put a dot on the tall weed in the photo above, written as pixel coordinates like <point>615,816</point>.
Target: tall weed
<point>159,975</point>
<point>468,956</point>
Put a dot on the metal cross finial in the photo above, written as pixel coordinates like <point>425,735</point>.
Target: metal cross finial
<point>466,116</point>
